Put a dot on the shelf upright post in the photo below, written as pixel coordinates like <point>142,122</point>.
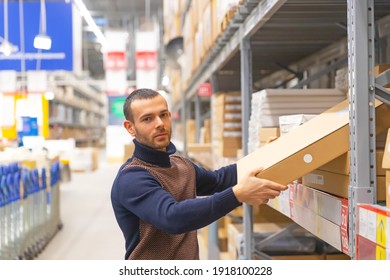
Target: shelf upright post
<point>246,92</point>
<point>362,188</point>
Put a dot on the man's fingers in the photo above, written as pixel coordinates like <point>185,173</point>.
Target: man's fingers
<point>256,171</point>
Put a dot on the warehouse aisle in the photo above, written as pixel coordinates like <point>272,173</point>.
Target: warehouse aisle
<point>89,231</point>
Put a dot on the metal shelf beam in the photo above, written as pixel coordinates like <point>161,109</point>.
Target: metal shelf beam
<point>228,44</point>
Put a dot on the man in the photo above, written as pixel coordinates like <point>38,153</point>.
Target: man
<point>154,194</point>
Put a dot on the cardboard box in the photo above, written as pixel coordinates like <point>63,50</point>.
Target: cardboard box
<point>380,68</point>
<point>129,150</point>
<point>267,133</point>
<point>341,165</point>
<point>309,146</point>
<point>198,148</point>
<point>386,165</point>
<point>337,184</point>
<point>84,159</point>
<point>290,122</point>
<point>227,146</point>
<point>191,131</point>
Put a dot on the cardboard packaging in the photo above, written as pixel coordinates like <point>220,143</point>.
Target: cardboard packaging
<point>386,165</point>
<point>268,134</point>
<point>128,151</point>
<point>337,184</point>
<point>309,146</point>
<point>341,165</point>
<point>84,159</point>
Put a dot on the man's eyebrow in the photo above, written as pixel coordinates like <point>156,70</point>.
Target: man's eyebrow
<point>151,114</point>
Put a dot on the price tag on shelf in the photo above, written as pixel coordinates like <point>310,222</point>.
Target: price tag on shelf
<point>344,227</point>
<point>291,200</point>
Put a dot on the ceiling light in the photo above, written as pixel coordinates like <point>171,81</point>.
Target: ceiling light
<point>49,95</point>
<point>165,81</point>
<point>42,42</point>
<point>7,48</point>
<point>91,23</point>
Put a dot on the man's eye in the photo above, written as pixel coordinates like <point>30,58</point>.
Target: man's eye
<point>164,115</point>
<point>147,119</point>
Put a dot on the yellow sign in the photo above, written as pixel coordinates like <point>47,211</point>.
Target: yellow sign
<point>381,230</point>
<point>380,253</point>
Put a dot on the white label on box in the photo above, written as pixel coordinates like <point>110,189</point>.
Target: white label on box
<point>315,179</point>
<point>363,222</point>
<point>371,226</point>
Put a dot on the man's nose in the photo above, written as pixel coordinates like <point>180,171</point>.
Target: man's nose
<point>159,122</point>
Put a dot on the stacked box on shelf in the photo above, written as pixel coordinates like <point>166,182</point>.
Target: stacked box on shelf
<point>373,227</point>
<point>190,131</point>
<point>324,215</point>
<point>334,177</point>
<point>386,167</point>
<point>172,19</point>
<point>226,123</point>
<point>188,41</point>
<point>269,104</point>
<point>225,12</point>
<point>268,134</point>
<point>306,148</point>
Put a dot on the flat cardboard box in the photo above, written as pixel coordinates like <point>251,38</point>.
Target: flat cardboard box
<point>309,146</point>
<point>341,165</point>
<point>337,184</point>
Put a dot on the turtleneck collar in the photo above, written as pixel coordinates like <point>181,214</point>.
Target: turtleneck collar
<point>153,156</point>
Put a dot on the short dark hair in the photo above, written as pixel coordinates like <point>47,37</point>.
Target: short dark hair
<point>142,93</point>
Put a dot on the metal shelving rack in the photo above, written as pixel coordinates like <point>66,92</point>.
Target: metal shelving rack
<point>253,25</point>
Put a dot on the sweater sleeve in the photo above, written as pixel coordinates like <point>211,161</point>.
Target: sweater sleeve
<point>139,192</point>
<point>209,182</point>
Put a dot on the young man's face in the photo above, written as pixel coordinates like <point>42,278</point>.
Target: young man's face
<point>152,122</point>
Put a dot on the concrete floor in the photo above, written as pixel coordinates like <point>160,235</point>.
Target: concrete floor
<point>90,231</point>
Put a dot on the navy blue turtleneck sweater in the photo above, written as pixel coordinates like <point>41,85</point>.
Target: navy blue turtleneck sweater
<point>137,195</point>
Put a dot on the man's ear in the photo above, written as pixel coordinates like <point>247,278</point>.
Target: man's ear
<point>129,127</point>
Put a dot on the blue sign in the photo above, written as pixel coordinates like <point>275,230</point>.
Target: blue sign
<point>58,27</point>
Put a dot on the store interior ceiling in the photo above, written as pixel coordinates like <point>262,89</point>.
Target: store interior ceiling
<point>115,14</point>
<point>112,14</point>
